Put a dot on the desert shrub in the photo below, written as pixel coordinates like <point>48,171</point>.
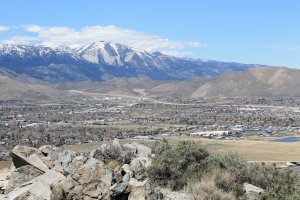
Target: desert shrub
<point>277,183</point>
<point>224,179</point>
<point>114,153</point>
<point>174,167</point>
<point>207,189</point>
<point>212,176</point>
<point>282,185</point>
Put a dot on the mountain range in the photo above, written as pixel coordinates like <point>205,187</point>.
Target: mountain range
<point>102,61</point>
<point>50,72</point>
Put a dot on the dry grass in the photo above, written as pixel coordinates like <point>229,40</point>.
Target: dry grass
<point>207,188</point>
<point>250,150</point>
<point>5,164</point>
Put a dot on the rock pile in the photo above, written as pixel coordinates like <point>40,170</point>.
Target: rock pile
<point>111,172</point>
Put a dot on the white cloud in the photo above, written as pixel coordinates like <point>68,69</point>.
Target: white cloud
<point>66,36</point>
<point>20,40</point>
<point>4,28</point>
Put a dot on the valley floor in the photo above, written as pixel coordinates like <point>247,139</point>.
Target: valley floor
<point>250,150</point>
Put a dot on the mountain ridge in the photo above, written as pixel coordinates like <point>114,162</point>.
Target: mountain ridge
<point>102,61</point>
<point>255,82</point>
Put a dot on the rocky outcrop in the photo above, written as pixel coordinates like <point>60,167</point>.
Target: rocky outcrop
<point>110,172</point>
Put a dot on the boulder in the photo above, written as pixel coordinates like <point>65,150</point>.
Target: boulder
<point>145,192</point>
<point>46,149</point>
<point>174,195</point>
<point>22,175</point>
<point>58,167</point>
<point>116,144</point>
<point>138,164</point>
<point>133,183</point>
<point>23,156</point>
<point>127,170</point>
<point>76,163</point>
<point>36,161</point>
<point>129,148</point>
<point>142,151</point>
<point>252,191</point>
<point>91,180</point>
<point>63,189</point>
<point>119,187</point>
<point>3,186</point>
<point>38,188</point>
<point>65,158</point>
<point>26,151</point>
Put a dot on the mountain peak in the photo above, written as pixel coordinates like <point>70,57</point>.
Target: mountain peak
<point>105,60</point>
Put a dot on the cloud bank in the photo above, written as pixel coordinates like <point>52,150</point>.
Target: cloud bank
<point>3,28</point>
<point>66,36</point>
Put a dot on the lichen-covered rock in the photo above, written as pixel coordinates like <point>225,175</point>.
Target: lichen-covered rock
<point>145,192</point>
<point>65,158</point>
<point>91,180</point>
<point>38,188</point>
<point>22,175</point>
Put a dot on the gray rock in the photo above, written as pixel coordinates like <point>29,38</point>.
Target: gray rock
<point>38,188</point>
<point>22,175</point>
<point>46,149</point>
<point>119,187</point>
<point>76,163</point>
<point>63,189</point>
<point>65,158</point>
<point>26,151</point>
<point>3,186</point>
<point>135,183</point>
<point>129,148</point>
<point>145,192</point>
<point>116,144</point>
<point>138,164</point>
<point>91,180</point>
<point>36,161</point>
<point>58,167</point>
<point>127,170</point>
<point>142,151</point>
<point>175,195</point>
<point>23,155</point>
<point>252,191</point>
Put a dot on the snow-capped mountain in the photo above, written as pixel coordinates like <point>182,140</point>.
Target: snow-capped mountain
<point>104,60</point>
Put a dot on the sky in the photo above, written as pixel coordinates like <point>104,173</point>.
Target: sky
<point>246,31</point>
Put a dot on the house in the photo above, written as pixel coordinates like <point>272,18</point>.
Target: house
<point>237,128</point>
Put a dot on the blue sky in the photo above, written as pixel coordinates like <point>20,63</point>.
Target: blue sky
<point>248,31</point>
